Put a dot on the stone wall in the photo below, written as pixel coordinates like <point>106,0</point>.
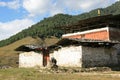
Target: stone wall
<point>96,57</point>
<point>117,47</point>
<point>30,59</point>
<point>114,34</point>
<point>68,56</point>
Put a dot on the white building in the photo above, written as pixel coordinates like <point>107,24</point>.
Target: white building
<point>85,54</point>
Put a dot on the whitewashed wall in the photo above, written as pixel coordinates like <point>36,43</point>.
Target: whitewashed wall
<point>68,56</point>
<point>30,59</point>
<point>99,56</point>
<point>79,56</point>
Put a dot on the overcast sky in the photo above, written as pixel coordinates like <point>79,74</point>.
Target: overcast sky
<point>16,15</point>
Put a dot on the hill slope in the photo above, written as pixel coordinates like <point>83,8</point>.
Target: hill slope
<point>48,26</point>
<point>8,55</point>
<point>10,49</point>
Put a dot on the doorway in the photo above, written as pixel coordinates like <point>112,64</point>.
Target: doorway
<point>45,57</point>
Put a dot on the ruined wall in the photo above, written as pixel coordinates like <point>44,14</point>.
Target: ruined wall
<point>30,59</point>
<point>101,56</point>
<point>68,56</point>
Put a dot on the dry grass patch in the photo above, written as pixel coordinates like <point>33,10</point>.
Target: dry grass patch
<point>34,74</point>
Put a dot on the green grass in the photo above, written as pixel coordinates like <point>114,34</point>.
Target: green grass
<point>33,74</point>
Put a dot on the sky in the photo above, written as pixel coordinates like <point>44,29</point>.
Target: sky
<point>16,15</point>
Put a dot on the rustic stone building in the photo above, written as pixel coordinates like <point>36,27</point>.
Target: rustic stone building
<point>89,43</point>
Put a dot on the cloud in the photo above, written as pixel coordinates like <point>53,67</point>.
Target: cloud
<point>51,7</point>
<point>10,28</point>
<point>38,7</point>
<point>15,4</point>
<point>85,5</point>
<point>35,7</point>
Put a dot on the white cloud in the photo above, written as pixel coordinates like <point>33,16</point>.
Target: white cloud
<point>2,4</point>
<point>51,7</point>
<point>86,5</point>
<point>15,4</point>
<point>55,8</point>
<point>10,28</point>
<point>38,7</point>
<point>35,7</point>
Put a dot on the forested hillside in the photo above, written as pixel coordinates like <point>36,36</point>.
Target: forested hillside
<point>48,26</point>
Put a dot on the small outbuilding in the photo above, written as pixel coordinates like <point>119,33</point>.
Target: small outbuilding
<point>36,54</point>
<point>33,56</point>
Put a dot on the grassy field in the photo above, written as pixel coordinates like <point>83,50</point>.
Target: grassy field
<point>34,74</point>
<point>8,56</point>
